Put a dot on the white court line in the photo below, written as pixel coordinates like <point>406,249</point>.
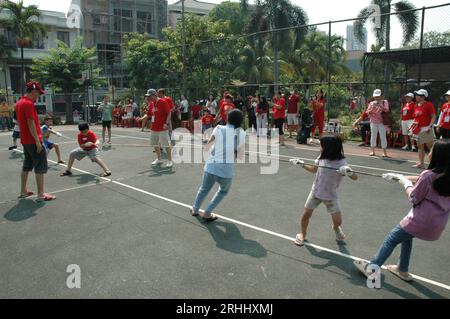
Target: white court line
<point>291,239</point>
<point>290,157</point>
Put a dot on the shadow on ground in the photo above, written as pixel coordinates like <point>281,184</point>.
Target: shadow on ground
<point>23,210</point>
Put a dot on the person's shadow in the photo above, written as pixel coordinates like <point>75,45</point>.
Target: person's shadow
<point>158,171</point>
<point>23,210</point>
<point>16,155</point>
<point>356,278</point>
<point>228,237</point>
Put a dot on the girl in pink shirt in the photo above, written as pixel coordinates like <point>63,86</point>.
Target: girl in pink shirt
<point>430,196</point>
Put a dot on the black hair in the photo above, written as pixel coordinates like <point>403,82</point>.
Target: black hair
<point>83,126</point>
<point>332,148</point>
<point>235,118</point>
<point>162,91</point>
<point>440,164</point>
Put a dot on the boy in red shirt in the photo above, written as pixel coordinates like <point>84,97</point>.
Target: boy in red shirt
<point>207,122</point>
<point>444,118</point>
<point>225,107</point>
<point>88,147</point>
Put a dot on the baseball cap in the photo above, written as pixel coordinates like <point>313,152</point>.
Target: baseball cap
<point>448,93</point>
<point>411,95</point>
<point>33,85</point>
<point>422,92</point>
<point>150,92</point>
<point>377,93</point>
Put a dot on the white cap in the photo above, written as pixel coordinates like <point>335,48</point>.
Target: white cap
<point>448,93</point>
<point>411,95</point>
<point>377,93</point>
<point>422,92</point>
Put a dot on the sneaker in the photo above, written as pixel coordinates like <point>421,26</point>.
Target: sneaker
<point>405,148</point>
<point>169,164</point>
<point>340,236</point>
<point>414,149</point>
<point>157,162</point>
<point>12,147</point>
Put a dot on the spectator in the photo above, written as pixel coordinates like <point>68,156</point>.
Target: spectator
<point>196,109</point>
<point>444,118</point>
<point>251,111</point>
<point>293,112</point>
<point>4,114</point>
<point>225,108</point>
<point>374,110</point>
<point>364,126</point>
<point>278,109</point>
<point>318,107</point>
<point>261,115</point>
<point>407,119</point>
<point>424,117</point>
<point>211,104</point>
<point>106,109</point>
<point>184,108</point>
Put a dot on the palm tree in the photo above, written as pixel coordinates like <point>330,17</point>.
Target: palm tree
<point>409,20</point>
<point>276,14</point>
<point>23,22</point>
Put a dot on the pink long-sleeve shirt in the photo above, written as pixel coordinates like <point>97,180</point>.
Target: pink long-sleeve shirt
<point>375,109</point>
<point>429,215</point>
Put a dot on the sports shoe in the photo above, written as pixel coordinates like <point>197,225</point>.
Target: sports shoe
<point>12,147</point>
<point>340,236</point>
<point>157,162</point>
<point>413,149</point>
<point>405,148</point>
<point>169,164</point>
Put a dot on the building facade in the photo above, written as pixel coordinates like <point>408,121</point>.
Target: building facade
<point>190,6</point>
<point>353,44</point>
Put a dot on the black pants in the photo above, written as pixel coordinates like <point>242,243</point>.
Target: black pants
<point>364,128</point>
<point>279,126</point>
<point>445,134</point>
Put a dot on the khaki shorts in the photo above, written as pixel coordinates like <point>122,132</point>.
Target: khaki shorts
<point>425,137</point>
<point>80,153</point>
<point>292,119</point>
<point>159,138</point>
<point>333,206</point>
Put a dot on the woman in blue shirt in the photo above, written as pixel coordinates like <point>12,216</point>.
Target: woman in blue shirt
<point>228,143</point>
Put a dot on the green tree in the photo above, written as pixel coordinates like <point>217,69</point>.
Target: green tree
<point>63,69</point>
<point>409,21</point>
<point>432,39</point>
<point>232,12</point>
<point>24,23</point>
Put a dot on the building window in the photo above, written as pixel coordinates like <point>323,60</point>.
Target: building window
<point>63,36</point>
<point>123,20</point>
<point>144,22</point>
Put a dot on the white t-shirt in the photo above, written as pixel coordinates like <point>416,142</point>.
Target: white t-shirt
<point>184,106</point>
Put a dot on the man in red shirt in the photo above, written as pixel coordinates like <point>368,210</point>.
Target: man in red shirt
<point>407,118</point>
<point>196,108</point>
<point>88,142</point>
<point>225,107</point>
<point>159,111</point>
<point>278,109</point>
<point>444,118</point>
<point>293,112</point>
<point>31,139</point>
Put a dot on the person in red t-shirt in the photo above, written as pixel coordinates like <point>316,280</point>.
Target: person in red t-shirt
<point>207,122</point>
<point>159,111</point>
<point>225,107</point>
<point>318,106</point>
<point>88,142</point>
<point>196,109</point>
<point>364,126</point>
<point>173,107</point>
<point>424,117</point>
<point>407,119</point>
<point>444,118</point>
<point>293,112</point>
<point>31,140</point>
<point>278,109</point>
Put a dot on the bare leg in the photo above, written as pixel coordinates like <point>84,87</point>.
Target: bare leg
<point>421,153</point>
<point>23,183</point>
<point>40,184</point>
<point>103,133</point>
<point>158,152</point>
<point>102,164</point>
<point>109,134</point>
<point>169,153</point>
<point>58,152</point>
<point>304,222</point>
<point>70,164</point>
<point>337,220</point>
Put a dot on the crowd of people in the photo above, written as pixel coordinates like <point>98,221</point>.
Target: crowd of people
<point>428,193</point>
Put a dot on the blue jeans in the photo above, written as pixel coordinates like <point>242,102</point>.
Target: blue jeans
<point>395,237</point>
<point>208,182</point>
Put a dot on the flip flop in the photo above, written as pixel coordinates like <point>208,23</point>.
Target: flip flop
<point>193,213</point>
<point>372,154</point>
<point>28,194</point>
<point>209,217</point>
<point>65,173</point>
<point>394,269</point>
<point>46,198</point>
<point>105,174</point>
<point>298,241</point>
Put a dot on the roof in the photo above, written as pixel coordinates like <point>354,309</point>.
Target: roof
<point>412,56</point>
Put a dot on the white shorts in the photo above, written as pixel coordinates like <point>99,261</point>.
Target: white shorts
<point>292,119</point>
<point>405,127</point>
<point>159,138</point>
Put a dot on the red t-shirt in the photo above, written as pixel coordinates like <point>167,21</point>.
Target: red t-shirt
<point>292,104</point>
<point>170,102</point>
<point>25,110</point>
<point>196,111</point>
<point>364,116</point>
<point>445,119</point>
<point>90,137</point>
<point>319,109</point>
<point>408,111</point>
<point>278,114</point>
<point>158,114</point>
<point>207,119</point>
<point>223,110</point>
<point>423,114</point>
